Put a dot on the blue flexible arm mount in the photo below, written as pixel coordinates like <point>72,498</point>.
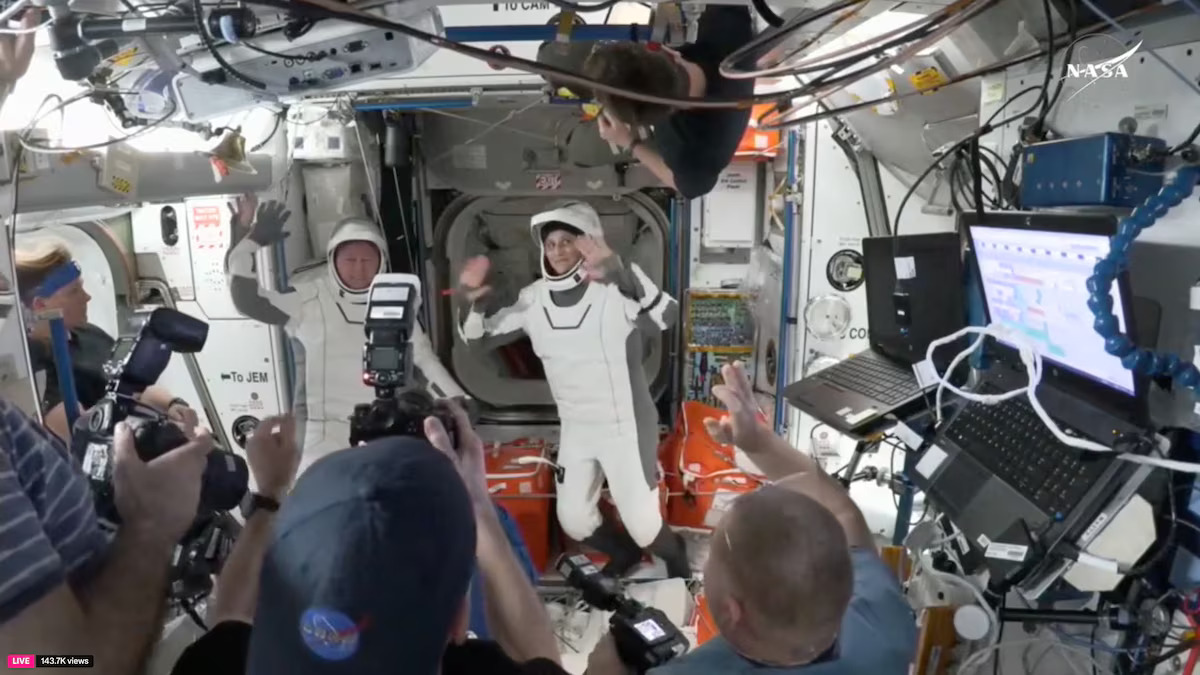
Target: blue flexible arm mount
<point>1139,360</point>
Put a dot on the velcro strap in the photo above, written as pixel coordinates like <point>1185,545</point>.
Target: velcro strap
<point>653,304</point>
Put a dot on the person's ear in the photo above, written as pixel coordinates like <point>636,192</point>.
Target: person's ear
<point>734,610</point>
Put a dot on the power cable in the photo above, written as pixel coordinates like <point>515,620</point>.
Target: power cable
<point>790,116</point>
<point>328,9</point>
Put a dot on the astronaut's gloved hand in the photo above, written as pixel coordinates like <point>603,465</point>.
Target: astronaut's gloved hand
<point>472,278</point>
<point>599,260</point>
<point>262,223</point>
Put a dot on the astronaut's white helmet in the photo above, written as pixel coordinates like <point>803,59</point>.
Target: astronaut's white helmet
<point>575,216</point>
<point>355,279</point>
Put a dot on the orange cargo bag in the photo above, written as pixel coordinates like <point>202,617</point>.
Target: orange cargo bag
<point>708,478</point>
<point>520,481</point>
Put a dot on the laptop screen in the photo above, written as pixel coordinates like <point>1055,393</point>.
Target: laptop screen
<point>1035,283</point>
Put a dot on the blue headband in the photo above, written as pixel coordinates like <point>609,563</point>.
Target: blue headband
<point>58,279</point>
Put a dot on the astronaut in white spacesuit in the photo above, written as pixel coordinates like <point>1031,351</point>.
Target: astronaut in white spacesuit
<point>323,314</point>
<point>584,318</point>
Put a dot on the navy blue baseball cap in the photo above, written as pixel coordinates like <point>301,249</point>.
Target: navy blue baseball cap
<point>369,565</point>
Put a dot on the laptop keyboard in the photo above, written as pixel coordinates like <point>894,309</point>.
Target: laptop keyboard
<point>1012,442</point>
<point>873,376</point>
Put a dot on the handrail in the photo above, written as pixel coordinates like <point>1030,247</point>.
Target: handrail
<point>206,400</point>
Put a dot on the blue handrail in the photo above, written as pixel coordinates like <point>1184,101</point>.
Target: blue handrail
<point>783,348</point>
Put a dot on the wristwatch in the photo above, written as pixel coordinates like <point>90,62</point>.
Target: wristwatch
<point>254,501</point>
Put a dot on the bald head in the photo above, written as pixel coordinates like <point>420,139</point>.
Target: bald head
<point>781,563</point>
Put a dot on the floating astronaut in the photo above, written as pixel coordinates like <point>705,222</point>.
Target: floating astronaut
<point>584,318</point>
<point>323,313</point>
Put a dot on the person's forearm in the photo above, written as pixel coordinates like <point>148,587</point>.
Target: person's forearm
<point>515,615</point>
<point>650,158</point>
<point>777,459</point>
<point>237,586</point>
<point>792,469</point>
<point>124,604</point>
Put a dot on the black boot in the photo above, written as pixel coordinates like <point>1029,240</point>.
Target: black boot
<point>623,553</point>
<point>670,546</point>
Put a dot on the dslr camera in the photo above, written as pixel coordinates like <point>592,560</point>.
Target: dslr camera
<point>135,364</point>
<point>398,409</point>
<point>644,636</point>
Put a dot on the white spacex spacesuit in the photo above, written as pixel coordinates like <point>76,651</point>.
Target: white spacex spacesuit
<point>324,318</point>
<point>588,336</point>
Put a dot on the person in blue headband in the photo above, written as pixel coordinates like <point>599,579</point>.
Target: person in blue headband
<point>48,278</point>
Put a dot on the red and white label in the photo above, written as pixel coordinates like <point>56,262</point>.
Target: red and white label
<point>548,181</point>
<point>208,229</point>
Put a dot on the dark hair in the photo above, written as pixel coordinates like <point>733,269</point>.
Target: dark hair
<point>554,226</point>
<point>637,68</point>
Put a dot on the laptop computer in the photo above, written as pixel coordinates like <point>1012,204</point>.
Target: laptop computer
<point>903,316</point>
<point>997,471</point>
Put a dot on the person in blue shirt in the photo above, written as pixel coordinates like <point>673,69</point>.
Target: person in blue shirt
<point>793,580</point>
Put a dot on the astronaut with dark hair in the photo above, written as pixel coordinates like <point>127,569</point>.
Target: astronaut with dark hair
<point>584,317</point>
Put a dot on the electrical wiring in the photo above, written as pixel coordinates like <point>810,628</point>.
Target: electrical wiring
<point>1186,142</point>
<point>985,128</point>
<point>783,118</point>
<point>1032,360</point>
<point>914,37</point>
<point>899,50</point>
<point>29,145</point>
<point>329,9</point>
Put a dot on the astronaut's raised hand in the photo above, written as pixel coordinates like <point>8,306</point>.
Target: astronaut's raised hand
<point>473,277</point>
<point>744,426</point>
<point>262,223</point>
<point>16,51</point>
<point>598,258</point>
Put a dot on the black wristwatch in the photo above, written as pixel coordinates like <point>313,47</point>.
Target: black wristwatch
<point>253,502</point>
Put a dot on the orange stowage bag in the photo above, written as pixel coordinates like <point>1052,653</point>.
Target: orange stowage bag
<point>706,476</point>
<point>702,620</point>
<point>525,490</point>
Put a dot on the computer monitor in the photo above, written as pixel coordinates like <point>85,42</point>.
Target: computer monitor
<point>1035,283</point>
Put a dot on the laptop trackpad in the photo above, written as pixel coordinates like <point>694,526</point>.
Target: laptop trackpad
<point>997,509</point>
<point>960,483</point>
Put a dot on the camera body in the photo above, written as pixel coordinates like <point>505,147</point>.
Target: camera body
<point>644,636</point>
<point>391,318</point>
<point>136,364</point>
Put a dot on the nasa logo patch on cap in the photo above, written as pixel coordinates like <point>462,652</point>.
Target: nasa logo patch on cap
<point>330,634</point>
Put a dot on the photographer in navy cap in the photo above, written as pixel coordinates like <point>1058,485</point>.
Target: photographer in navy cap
<point>369,569</point>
